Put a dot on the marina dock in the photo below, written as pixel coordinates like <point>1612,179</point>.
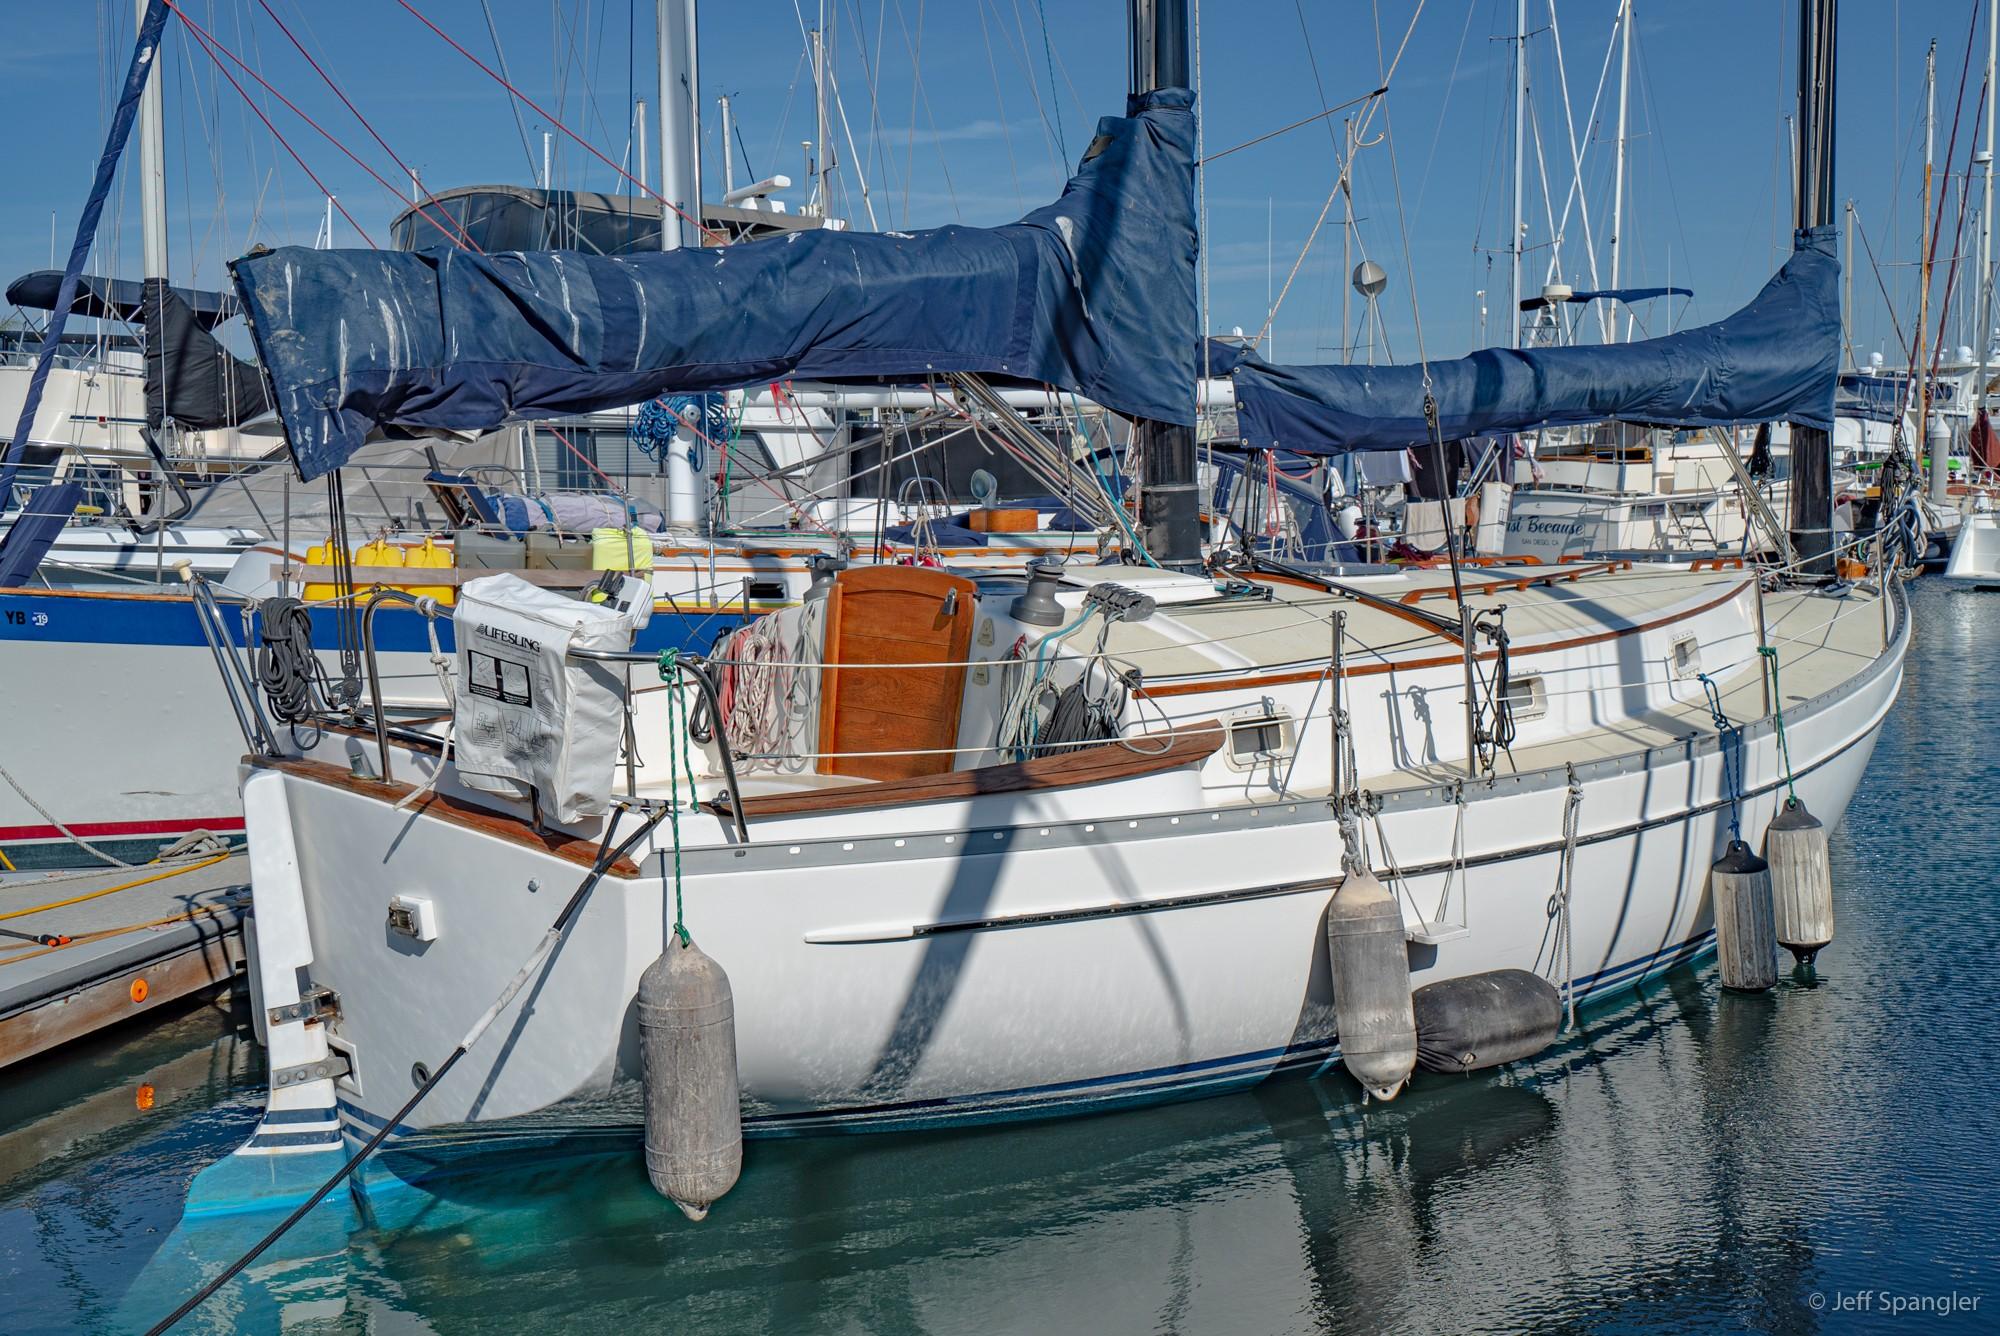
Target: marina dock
<point>86,950</point>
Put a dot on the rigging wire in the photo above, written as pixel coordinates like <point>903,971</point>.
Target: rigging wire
<point>213,47</point>
<point>328,79</point>
<point>1374,101</point>
<point>500,56</point>
<point>556,123</point>
<point>1000,102</point>
<point>1287,129</point>
<point>1917,385</point>
<point>1055,97</point>
<point>1655,127</point>
<point>1029,80</point>
<point>208,46</point>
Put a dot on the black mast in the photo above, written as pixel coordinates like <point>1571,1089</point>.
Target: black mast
<point>1170,504</point>
<point>1812,449</point>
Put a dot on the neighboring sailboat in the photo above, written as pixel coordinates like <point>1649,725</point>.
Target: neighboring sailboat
<point>740,519</point>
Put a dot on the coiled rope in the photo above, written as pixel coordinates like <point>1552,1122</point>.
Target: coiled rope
<point>769,692</point>
<point>290,672</point>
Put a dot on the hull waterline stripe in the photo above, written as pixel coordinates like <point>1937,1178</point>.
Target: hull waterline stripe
<point>114,829</point>
<point>1149,1084</point>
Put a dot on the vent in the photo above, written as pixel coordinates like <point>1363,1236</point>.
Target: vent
<point>1527,698</point>
<point>1261,736</point>
<point>1686,657</point>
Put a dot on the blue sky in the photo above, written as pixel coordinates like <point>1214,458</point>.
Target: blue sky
<point>961,110</point>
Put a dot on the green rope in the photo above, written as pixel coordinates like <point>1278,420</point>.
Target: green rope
<point>677,722</point>
<point>1770,652</point>
<point>729,460</point>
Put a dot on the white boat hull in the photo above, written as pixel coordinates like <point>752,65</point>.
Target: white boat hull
<point>1007,956</point>
<point>1975,550</point>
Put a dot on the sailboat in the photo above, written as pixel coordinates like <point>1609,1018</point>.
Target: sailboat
<point>970,846</point>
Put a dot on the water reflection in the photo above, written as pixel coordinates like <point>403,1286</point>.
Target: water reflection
<point>1292,1207</point>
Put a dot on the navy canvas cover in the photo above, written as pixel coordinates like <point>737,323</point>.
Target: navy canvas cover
<point>1094,293</point>
<point>113,298</point>
<point>1776,360</point>
<point>1627,295</point>
<point>190,376</point>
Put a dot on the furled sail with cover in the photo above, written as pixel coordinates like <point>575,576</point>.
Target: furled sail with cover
<point>1776,360</point>
<point>1093,294</point>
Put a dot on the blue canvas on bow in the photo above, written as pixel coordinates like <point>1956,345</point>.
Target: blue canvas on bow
<point>1093,294</point>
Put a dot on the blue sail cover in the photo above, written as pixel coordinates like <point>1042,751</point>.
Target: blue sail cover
<point>1627,295</point>
<point>1775,360</point>
<point>1094,294</point>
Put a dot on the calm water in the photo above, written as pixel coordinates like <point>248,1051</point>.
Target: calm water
<point>1692,1162</point>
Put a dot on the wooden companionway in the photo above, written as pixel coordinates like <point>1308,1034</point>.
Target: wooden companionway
<point>904,617</point>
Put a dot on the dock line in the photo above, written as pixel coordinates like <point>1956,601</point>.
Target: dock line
<point>113,890</point>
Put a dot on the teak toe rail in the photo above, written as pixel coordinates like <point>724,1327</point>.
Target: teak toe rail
<point>458,812</point>
<point>1086,765</point>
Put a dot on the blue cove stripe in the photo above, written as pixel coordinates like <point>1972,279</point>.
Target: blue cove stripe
<point>274,1140</point>
<point>31,618</point>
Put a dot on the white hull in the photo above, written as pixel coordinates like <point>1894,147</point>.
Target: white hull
<point>1975,550</point>
<point>1003,956</point>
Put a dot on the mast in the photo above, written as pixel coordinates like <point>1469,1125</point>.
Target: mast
<point>1520,125</point>
<point>728,162</point>
<point>1346,244</point>
<point>153,288</point>
<point>1920,366</point>
<point>152,172</point>
<point>680,126</point>
<point>1618,173</point>
<point>1812,447</point>
<point>1169,507</point>
<point>639,118</point>
<point>822,145</point>
<point>22,546</point>
<point>1984,330</point>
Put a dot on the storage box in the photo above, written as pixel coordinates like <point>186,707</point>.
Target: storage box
<point>994,520</point>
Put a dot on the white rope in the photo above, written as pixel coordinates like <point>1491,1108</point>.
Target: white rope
<point>443,665</point>
<point>774,687</point>
<point>49,817</point>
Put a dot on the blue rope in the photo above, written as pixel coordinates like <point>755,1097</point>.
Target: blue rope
<point>1732,759</point>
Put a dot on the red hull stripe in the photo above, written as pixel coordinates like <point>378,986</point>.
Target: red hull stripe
<point>108,830</point>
